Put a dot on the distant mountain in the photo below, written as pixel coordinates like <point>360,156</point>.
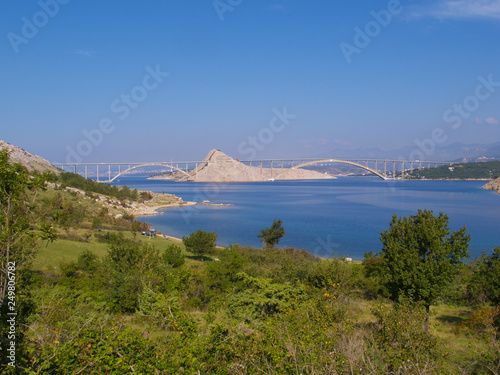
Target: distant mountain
<point>31,161</point>
<point>455,152</point>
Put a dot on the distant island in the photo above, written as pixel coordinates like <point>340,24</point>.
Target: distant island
<point>219,167</point>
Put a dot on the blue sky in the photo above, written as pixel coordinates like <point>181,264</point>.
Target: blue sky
<point>118,81</point>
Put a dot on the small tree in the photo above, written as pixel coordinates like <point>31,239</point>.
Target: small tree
<point>485,280</point>
<point>19,242</point>
<point>173,256</point>
<point>421,258</point>
<point>272,236</point>
<point>200,242</point>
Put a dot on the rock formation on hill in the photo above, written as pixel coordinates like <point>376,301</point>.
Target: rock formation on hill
<point>493,185</point>
<point>218,167</point>
<point>31,161</point>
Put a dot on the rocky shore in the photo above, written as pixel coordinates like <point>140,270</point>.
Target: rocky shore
<point>493,185</point>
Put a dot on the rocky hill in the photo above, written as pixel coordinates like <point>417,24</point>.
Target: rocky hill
<point>493,185</point>
<point>219,167</point>
<point>31,161</point>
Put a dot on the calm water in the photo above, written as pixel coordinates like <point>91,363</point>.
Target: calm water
<point>341,217</point>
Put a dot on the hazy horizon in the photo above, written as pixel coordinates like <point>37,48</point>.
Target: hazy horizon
<point>91,81</point>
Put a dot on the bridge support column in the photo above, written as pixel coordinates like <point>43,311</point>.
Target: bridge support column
<point>97,172</point>
<point>109,172</point>
<point>393,169</point>
<point>271,169</point>
<point>261,174</point>
<point>85,171</point>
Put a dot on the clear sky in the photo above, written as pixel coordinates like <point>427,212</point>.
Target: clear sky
<point>154,80</point>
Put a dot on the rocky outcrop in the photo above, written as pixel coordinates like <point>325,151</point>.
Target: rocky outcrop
<point>493,185</point>
<point>31,161</point>
<point>219,167</point>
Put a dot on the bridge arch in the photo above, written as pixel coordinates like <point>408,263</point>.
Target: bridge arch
<point>146,165</point>
<point>382,176</point>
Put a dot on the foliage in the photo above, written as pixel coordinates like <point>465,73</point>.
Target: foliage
<point>271,236</point>
<point>200,242</point>
<point>485,281</point>
<point>483,170</point>
<point>20,230</point>
<point>89,186</point>
<point>173,256</point>
<point>403,343</point>
<point>262,298</point>
<point>130,266</point>
<point>421,257</point>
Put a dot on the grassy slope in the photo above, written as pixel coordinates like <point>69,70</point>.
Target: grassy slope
<point>67,251</point>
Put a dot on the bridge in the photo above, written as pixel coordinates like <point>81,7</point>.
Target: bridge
<point>385,169</point>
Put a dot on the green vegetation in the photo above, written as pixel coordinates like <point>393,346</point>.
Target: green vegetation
<point>200,242</point>
<point>20,229</point>
<point>89,187</point>
<point>104,300</point>
<point>479,170</point>
<point>421,258</point>
<point>271,236</point>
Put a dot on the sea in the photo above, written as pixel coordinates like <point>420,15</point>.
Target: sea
<point>340,217</point>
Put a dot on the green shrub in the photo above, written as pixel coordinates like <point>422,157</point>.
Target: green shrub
<point>173,256</point>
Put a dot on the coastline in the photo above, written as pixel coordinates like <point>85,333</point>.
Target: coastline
<point>157,202</point>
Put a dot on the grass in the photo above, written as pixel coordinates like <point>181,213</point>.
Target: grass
<point>63,250</point>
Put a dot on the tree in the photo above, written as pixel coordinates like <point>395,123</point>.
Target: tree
<point>485,280</point>
<point>200,242</point>
<point>19,233</point>
<point>421,257</point>
<point>272,236</point>
<point>173,256</point>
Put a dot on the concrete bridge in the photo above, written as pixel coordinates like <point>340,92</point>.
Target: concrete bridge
<point>385,169</point>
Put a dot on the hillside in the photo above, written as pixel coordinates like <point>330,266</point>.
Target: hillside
<point>219,167</point>
<point>460,171</point>
<point>31,161</point>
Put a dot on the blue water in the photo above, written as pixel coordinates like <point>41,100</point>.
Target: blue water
<point>342,217</point>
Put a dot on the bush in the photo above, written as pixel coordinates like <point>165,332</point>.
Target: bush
<point>400,337</point>
<point>173,256</point>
